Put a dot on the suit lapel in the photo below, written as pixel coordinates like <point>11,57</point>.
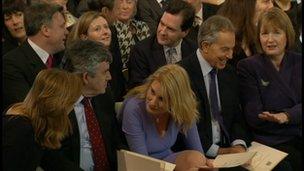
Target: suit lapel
<point>158,54</point>
<point>275,77</point>
<point>199,86</point>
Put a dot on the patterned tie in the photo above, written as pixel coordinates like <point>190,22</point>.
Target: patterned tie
<point>171,56</point>
<point>99,152</point>
<point>49,62</point>
<point>216,113</point>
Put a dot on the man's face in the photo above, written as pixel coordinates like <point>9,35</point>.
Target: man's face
<point>218,53</point>
<point>97,84</point>
<point>57,33</point>
<point>15,25</point>
<point>169,32</point>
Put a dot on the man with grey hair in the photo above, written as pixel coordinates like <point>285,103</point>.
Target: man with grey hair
<point>221,126</point>
<point>45,28</point>
<point>96,135</point>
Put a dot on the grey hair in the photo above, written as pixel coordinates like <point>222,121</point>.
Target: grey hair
<point>85,56</point>
<point>209,29</point>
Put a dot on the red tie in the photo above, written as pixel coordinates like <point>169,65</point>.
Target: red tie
<point>99,152</point>
<point>49,62</point>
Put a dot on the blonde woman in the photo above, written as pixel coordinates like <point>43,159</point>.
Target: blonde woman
<point>155,112</point>
<point>39,122</point>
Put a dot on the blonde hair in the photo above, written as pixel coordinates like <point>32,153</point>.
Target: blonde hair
<point>178,96</point>
<point>48,103</point>
<point>82,26</point>
<point>275,17</point>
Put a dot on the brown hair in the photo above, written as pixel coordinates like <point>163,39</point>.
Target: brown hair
<point>275,17</point>
<point>48,103</point>
<point>82,26</point>
<point>241,14</point>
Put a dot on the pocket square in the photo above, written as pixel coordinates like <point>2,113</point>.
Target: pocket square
<point>264,83</point>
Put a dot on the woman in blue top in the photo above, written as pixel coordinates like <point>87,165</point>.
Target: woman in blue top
<point>155,112</point>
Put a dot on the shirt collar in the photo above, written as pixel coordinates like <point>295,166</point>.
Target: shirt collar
<point>205,66</point>
<point>199,14</point>
<point>40,52</point>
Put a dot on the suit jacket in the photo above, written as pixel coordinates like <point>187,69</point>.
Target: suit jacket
<point>103,106</point>
<point>148,55</point>
<point>150,12</point>
<point>229,98</point>
<point>263,88</point>
<point>118,83</point>
<point>20,67</point>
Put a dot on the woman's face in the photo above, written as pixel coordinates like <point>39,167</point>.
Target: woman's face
<point>15,25</point>
<point>273,40</point>
<point>154,99</point>
<point>260,7</point>
<point>124,9</point>
<point>99,31</point>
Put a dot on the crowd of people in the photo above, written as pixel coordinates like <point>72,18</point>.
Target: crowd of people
<point>196,79</point>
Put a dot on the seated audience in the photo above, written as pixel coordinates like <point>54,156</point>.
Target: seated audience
<point>96,135</point>
<point>271,87</point>
<point>154,113</point>
<point>221,127</point>
<point>244,18</point>
<point>93,26</point>
<point>13,31</point>
<point>167,46</point>
<point>150,12</point>
<point>41,121</point>
<point>46,31</point>
<point>290,7</point>
<point>128,30</point>
<point>203,10</point>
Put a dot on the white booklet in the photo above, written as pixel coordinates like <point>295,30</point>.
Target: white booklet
<point>130,161</point>
<point>258,157</point>
<point>266,157</point>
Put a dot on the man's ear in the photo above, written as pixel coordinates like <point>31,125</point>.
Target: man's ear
<point>85,78</point>
<point>45,30</point>
<point>204,46</point>
<point>185,33</point>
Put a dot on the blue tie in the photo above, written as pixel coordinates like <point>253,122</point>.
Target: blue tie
<point>214,102</point>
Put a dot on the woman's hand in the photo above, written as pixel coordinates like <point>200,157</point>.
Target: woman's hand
<point>280,117</point>
<point>191,160</point>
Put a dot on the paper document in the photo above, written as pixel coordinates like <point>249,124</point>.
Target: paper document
<point>232,160</point>
<point>130,161</point>
<point>266,158</point>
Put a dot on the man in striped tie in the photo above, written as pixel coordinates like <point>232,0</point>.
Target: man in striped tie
<point>96,135</point>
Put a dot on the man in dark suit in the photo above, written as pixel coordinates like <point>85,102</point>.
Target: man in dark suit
<point>221,125</point>
<point>167,46</point>
<point>150,11</point>
<point>45,28</point>
<point>91,61</point>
